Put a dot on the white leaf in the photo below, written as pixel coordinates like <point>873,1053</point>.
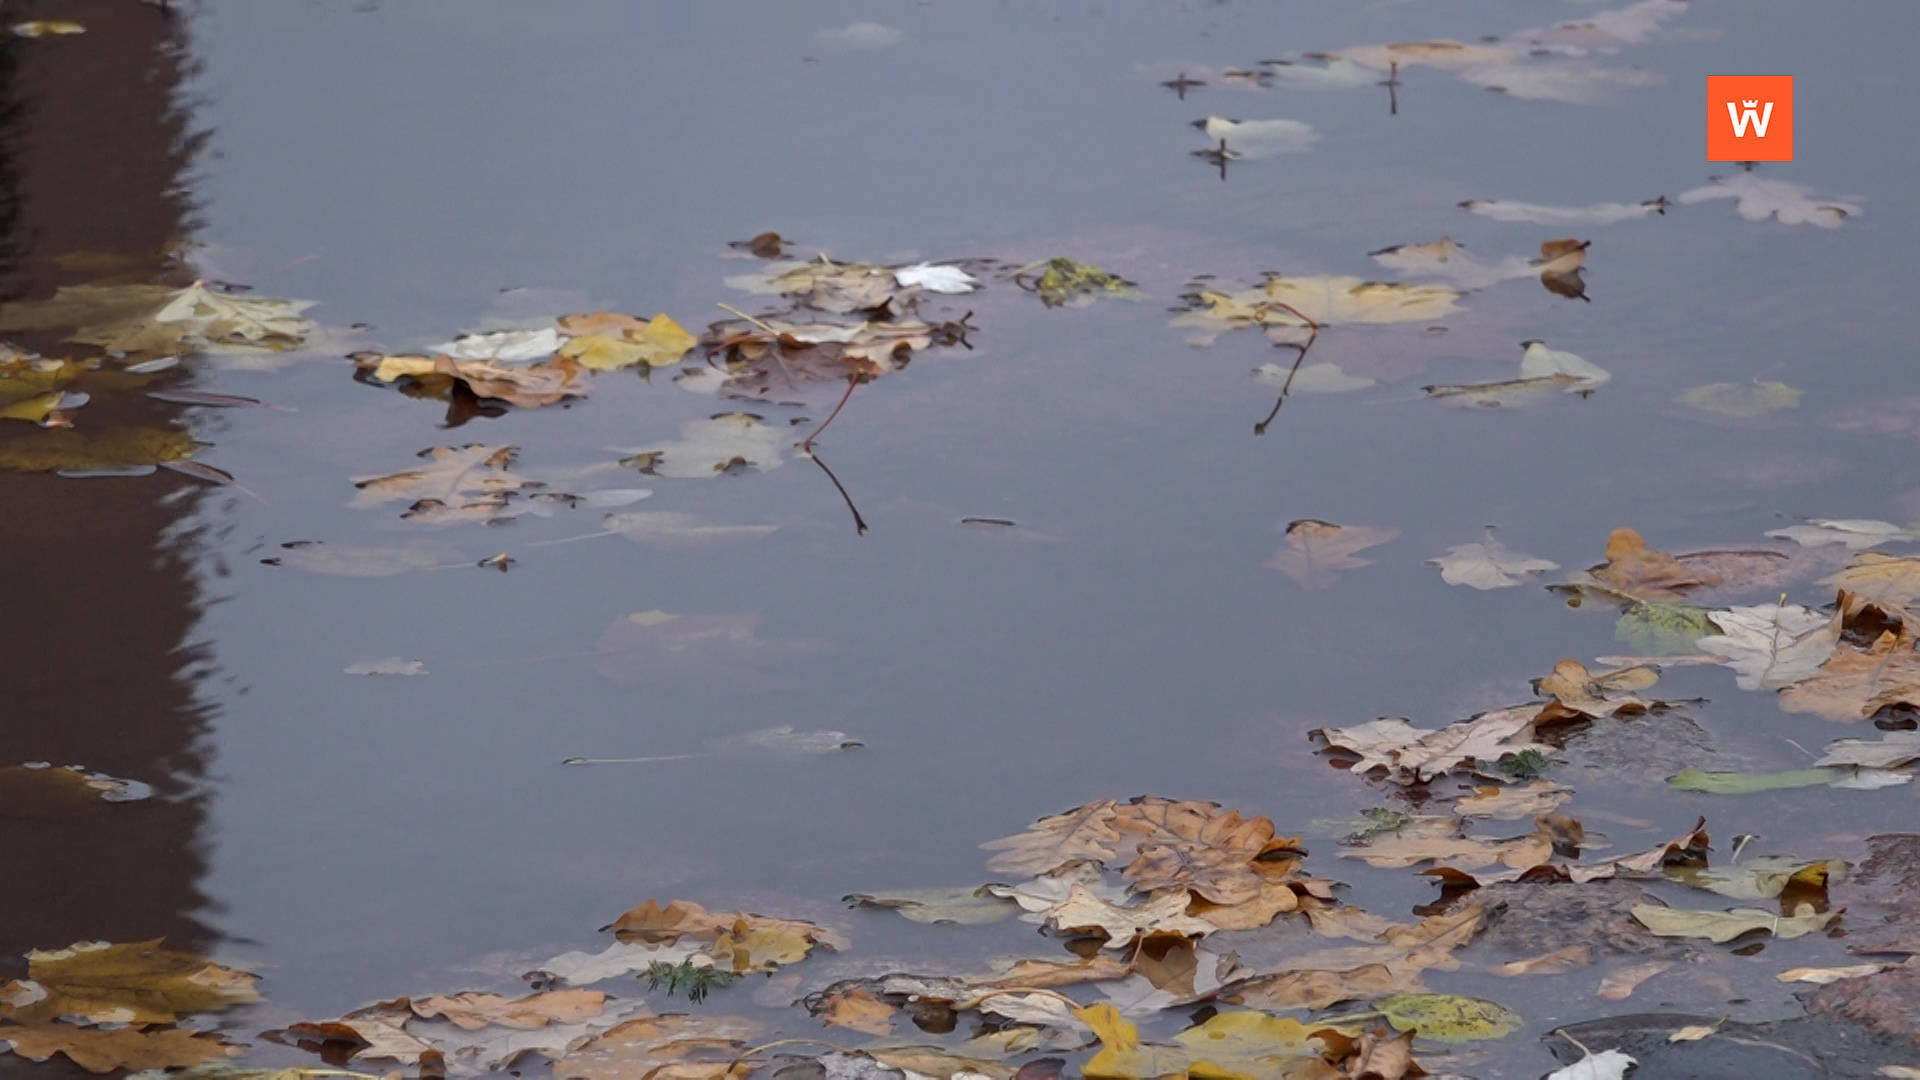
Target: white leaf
<point>506,346</point>
<point>1488,565</point>
<point>1772,645</point>
<point>1540,362</point>
<point>940,279</point>
<point>620,958</point>
<point>1330,73</point>
<point>1256,139</point>
<point>1605,1065</point>
<point>1856,533</point>
<point>1760,199</point>
<point>1312,378</point>
<point>1532,214</point>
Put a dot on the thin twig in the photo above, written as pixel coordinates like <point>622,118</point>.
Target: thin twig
<point>806,444</point>
<point>1313,335</point>
<point>859,523</point>
<point>750,1051</point>
<point>749,318</point>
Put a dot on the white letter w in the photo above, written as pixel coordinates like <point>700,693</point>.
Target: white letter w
<point>1740,119</point>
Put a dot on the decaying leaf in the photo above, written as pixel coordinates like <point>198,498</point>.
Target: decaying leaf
<point>1526,801</point>
<point>679,919</point>
<point>857,1009</point>
<point>1327,977</point>
<point>1529,213</point>
<point>1282,306</point>
<point>1316,551</point>
<point>617,959</point>
<point>105,1050</point>
<point>458,484</point>
<point>1887,582</point>
<point>1557,962</point>
<point>1062,282</point>
<point>1442,842</point>
<point>728,443</point>
<point>1760,198</point>
<point>1254,1044</point>
<point>1488,565</point>
<point>1897,750</point>
<point>1598,693</point>
<point>547,383</point>
<point>1824,976</point>
<point>1738,783</point>
<point>1448,1017</point>
<point>958,907</point>
<point>1557,267</point>
<point>1415,755</point>
<point>1217,856</point>
<point>1635,571</point>
<point>1084,912</point>
<point>1856,534</point>
<point>675,1045</point>
<point>1620,983</point>
<point>1772,645</point>
<point>1759,879</point>
<point>474,1011</point>
<point>1853,684</point>
<point>1742,401</point>
<point>1724,926</point>
<point>138,983</point>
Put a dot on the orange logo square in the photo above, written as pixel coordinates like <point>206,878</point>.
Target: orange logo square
<point>1749,118</point>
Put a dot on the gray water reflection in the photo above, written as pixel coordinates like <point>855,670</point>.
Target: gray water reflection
<point>403,164</point>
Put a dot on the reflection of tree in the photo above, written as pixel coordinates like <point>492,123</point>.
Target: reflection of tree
<point>94,150</point>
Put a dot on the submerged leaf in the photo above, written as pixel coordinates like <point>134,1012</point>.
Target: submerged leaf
<point>707,448</point>
<point>958,907</point>
<point>1066,282</point>
<point>1311,379</point>
<point>1854,684</point>
<point>1737,783</point>
<point>1415,755</point>
<point>105,1050</point>
<point>1449,1018</point>
<point>1742,400</point>
<point>139,983</point>
<point>1723,926</point>
<point>115,448</point>
<point>1316,551</point>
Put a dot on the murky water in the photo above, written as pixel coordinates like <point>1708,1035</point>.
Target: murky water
<point>424,168</point>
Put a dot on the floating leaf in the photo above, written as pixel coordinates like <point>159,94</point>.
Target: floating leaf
<point>1824,976</point>
<point>1449,1018</point>
<point>672,530</point>
<point>1316,551</point>
<point>1660,628</point>
<point>1854,684</point>
<point>1258,139</point>
<point>1737,783</point>
<point>35,28</point>
<point>957,907</point>
<point>1758,879</point>
<point>503,346</point>
<point>1605,1065</point>
<point>1311,379</point>
<point>1543,372</point>
<point>70,782</point>
<point>679,919</point>
<point>1250,1044</point>
<point>1571,82</point>
<point>1065,282</point>
<point>1742,400</point>
<point>1282,305</point>
<point>1415,755</point>
<point>1122,1055</point>
<point>707,448</point>
<point>607,342</point>
<point>392,665</point>
<point>1760,198</point>
<point>1856,534</point>
<point>365,560</point>
<point>1772,645</point>
<point>467,483</point>
<point>939,279</point>
<point>1724,926</point>
<point>1598,214</point>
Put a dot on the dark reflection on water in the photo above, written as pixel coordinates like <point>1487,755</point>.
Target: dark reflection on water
<point>102,596</point>
<point>423,166</point>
